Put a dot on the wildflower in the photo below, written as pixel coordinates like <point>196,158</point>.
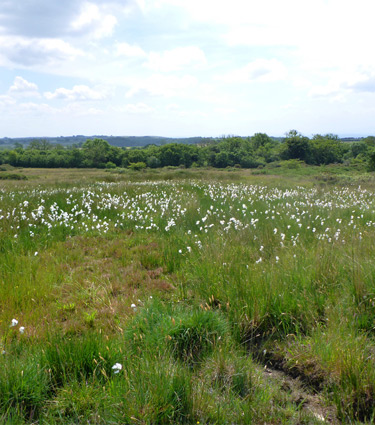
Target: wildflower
<point>117,367</point>
<point>258,261</point>
<point>14,323</point>
<point>22,329</point>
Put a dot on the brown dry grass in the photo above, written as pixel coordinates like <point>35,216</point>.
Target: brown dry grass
<point>100,278</point>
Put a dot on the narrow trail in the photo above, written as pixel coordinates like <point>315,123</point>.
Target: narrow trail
<point>309,400</point>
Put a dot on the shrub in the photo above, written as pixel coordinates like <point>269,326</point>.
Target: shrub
<point>12,176</point>
<point>110,165</point>
<point>137,166</point>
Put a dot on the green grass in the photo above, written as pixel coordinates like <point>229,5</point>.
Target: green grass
<point>200,283</point>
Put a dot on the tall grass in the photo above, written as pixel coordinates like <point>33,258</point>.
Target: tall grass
<point>192,286</point>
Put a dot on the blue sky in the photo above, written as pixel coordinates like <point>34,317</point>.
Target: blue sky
<point>186,68</point>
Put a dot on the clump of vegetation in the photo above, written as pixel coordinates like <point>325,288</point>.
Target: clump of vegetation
<point>137,166</point>
<point>12,176</point>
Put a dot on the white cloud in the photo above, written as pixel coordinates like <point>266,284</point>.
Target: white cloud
<point>239,12</point>
<point>22,87</point>
<point>225,111</point>
<point>361,83</point>
<point>6,100</point>
<point>137,108</point>
<point>78,93</point>
<point>91,19</point>
<point>164,85</point>
<point>172,107</point>
<point>263,70</point>
<point>38,108</point>
<point>29,52</point>
<point>57,19</point>
<point>176,59</point>
<point>89,14</point>
<point>76,109</point>
<point>128,50</point>
<point>324,90</point>
<point>343,83</point>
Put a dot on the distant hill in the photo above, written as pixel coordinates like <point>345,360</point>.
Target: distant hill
<point>120,141</point>
<point>126,141</point>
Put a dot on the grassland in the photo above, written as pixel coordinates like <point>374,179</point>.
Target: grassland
<point>187,296</point>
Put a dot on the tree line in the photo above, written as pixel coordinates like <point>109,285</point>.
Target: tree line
<point>251,152</point>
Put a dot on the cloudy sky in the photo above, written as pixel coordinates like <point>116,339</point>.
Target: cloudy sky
<point>186,67</point>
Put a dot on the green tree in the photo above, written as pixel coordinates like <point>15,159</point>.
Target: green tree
<point>221,160</point>
<point>296,146</point>
<point>75,157</point>
<point>261,139</point>
<point>369,140</point>
<point>12,157</point>
<point>358,148</point>
<point>130,156</point>
<point>170,154</point>
<point>371,160</point>
<point>96,152</point>
<point>326,149</point>
<point>153,162</point>
<point>41,145</point>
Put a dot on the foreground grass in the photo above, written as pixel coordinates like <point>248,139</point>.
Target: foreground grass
<point>141,300</point>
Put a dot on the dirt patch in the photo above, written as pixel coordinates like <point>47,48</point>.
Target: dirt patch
<point>303,396</point>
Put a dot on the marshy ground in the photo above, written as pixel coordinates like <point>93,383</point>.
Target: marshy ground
<point>187,296</point>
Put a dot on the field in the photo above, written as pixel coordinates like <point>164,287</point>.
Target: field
<point>187,296</point>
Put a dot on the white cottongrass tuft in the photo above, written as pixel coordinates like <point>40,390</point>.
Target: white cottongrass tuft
<point>117,367</point>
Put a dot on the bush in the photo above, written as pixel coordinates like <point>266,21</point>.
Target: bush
<point>110,165</point>
<point>371,161</point>
<point>137,166</point>
<point>153,162</point>
<point>12,176</point>
<point>292,164</point>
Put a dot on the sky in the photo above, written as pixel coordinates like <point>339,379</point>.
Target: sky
<point>181,68</point>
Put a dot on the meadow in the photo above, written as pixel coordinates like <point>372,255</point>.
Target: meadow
<point>187,296</point>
